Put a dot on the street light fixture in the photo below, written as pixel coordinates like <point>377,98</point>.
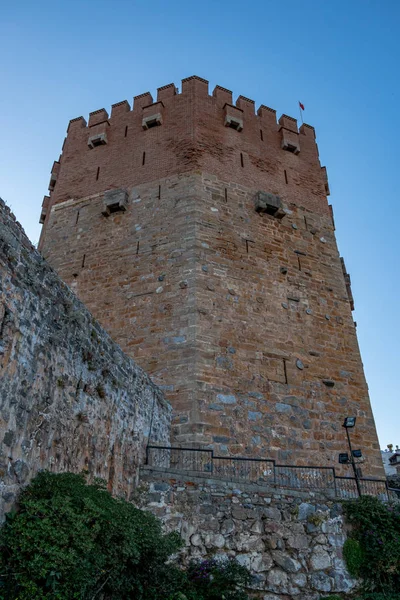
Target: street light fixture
<point>344,458</point>
<point>349,423</point>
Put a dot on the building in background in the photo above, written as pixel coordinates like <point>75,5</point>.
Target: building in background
<point>391,460</point>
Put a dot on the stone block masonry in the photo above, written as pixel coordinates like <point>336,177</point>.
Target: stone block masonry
<point>199,234</point>
<point>242,318</point>
<point>291,541</point>
<point>70,399</point>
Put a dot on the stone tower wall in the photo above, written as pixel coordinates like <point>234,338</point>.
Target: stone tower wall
<point>243,318</point>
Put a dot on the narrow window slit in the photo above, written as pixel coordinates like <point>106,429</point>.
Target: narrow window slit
<point>261,135</point>
<point>77,218</point>
<point>286,179</point>
<point>298,260</point>
<point>285,371</point>
<point>83,260</point>
<point>241,160</point>
<point>137,248</point>
<point>98,173</point>
<point>126,130</point>
<point>144,158</point>
<point>159,192</point>
<point>226,195</point>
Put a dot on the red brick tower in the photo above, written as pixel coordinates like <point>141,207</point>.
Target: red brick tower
<point>198,232</point>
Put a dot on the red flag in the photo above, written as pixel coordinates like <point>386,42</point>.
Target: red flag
<point>301,106</point>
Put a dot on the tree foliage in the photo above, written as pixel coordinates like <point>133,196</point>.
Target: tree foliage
<point>216,580</point>
<point>373,548</point>
<point>70,540</point>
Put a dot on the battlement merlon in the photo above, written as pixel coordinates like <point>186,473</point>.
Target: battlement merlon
<point>45,209</point>
<point>326,182</point>
<point>197,86</point>
<point>77,123</point>
<point>246,105</point>
<point>120,108</point>
<point>267,117</point>
<point>166,91</point>
<point>55,169</point>
<point>142,100</point>
<point>222,95</point>
<point>98,116</point>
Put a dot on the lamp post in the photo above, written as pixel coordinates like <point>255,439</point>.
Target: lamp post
<point>349,423</point>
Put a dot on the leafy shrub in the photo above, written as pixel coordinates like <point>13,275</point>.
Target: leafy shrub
<point>354,556</point>
<point>216,580</point>
<point>373,549</point>
<point>71,541</point>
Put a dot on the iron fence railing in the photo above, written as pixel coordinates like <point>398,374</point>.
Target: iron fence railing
<point>264,471</point>
<point>346,487</point>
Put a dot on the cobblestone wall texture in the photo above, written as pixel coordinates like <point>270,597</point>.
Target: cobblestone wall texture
<point>70,400</point>
<point>244,319</point>
<point>291,541</point>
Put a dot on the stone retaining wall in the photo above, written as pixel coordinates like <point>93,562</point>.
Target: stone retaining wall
<point>70,399</point>
<point>290,540</point>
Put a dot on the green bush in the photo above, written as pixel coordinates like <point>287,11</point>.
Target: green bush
<point>373,548</point>
<point>353,554</point>
<point>216,580</point>
<point>71,541</point>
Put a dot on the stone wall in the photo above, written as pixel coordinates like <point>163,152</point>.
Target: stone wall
<point>242,318</point>
<point>70,400</point>
<point>291,541</point>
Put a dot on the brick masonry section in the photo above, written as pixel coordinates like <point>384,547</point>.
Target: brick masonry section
<point>70,400</point>
<point>242,317</point>
<point>191,136</point>
<point>291,541</point>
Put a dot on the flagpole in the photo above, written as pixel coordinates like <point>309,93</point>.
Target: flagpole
<point>301,114</point>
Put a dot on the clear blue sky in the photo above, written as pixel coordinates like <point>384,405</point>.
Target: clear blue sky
<point>341,58</point>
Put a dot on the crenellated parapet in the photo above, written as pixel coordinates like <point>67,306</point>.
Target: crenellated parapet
<point>195,87</point>
<point>185,130</point>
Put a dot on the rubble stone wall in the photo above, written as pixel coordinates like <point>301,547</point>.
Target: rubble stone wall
<point>70,399</point>
<point>291,541</point>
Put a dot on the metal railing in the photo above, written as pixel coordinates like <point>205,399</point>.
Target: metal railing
<point>346,487</point>
<point>263,471</point>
